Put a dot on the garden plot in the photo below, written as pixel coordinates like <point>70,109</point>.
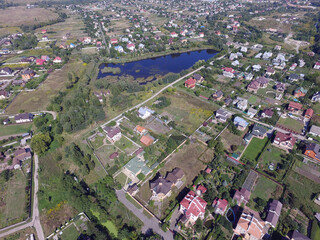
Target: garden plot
<point>157,126</point>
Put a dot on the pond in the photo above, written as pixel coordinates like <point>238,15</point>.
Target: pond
<point>146,68</point>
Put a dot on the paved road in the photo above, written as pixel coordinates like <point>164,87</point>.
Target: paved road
<point>35,222</point>
<point>153,96</point>
<point>149,223</point>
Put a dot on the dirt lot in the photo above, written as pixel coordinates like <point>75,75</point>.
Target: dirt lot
<point>157,127</point>
<point>16,16</point>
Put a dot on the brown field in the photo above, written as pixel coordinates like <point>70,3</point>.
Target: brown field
<point>16,16</point>
<point>229,139</point>
<point>40,98</point>
<point>189,157</point>
<point>73,25</point>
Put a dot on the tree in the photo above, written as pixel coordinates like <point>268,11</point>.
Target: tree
<point>40,143</point>
<point>198,225</point>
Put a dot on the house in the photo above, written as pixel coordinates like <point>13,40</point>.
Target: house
<point>295,235</point>
<point>113,155</point>
<point>40,61</point>
<point>6,71</point>
<point>252,112</point>
<point>113,134</point>
<point>220,206</point>
<point>256,67</point>
<point>242,196</point>
<point>198,78</point>
<point>300,92</point>
<point>45,57</point>
<point>266,113</point>
<point>313,151</point>
<point>259,131</point>
<point>228,72</point>
<point>253,86</point>
<point>314,130</point>
<point>131,47</point>
<point>317,65</point>
<point>6,121</point>
<point>145,112</point>
<point>240,123</point>
<point>241,103</point>
<point>284,140</point>
<point>173,34</point>
<point>22,154</point>
<point>23,117</point>
<point>249,76</point>
<point>294,107</point>
<point>217,96</point>
<point>4,94</point>
<point>190,83</point>
<point>244,49</point>
<point>201,34</point>
<point>141,46</point>
<point>250,226</point>
<point>146,140</point>
<point>161,188</point>
<point>316,97</point>
<point>57,60</point>
<point>119,49</point>
<point>222,115</point>
<point>308,113</point>
<point>293,77</point>
<point>192,207</point>
<point>200,190</point>
<point>280,87</point>
<point>140,130</point>
<point>270,71</point>
<point>274,211</point>
<point>175,176</point>
<point>227,101</point>
<point>27,74</point>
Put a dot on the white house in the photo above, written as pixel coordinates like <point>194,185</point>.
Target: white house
<point>145,112</point>
<point>23,118</point>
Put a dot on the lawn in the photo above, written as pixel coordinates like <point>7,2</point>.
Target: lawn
<point>291,124</point>
<point>71,233</point>
<point>273,155</point>
<point>228,139</point>
<point>266,189</point>
<point>121,178</point>
<point>98,141</point>
<point>252,99</point>
<point>111,227</point>
<point>123,143</point>
<point>254,149</point>
<point>315,231</point>
<point>104,152</point>
<point>14,129</point>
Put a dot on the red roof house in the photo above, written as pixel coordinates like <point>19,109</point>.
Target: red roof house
<point>113,41</point>
<point>201,190</point>
<point>190,83</point>
<point>208,170</point>
<point>193,207</point>
<point>220,206</point>
<point>294,107</point>
<point>284,140</point>
<point>57,60</point>
<point>308,113</point>
<point>40,61</point>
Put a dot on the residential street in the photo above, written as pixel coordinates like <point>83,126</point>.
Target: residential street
<point>35,222</point>
<point>149,223</point>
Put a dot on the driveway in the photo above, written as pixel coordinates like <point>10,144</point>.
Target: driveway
<point>149,223</point>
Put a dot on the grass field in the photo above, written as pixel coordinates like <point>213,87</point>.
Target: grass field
<point>71,233</point>
<point>188,116</point>
<point>291,124</point>
<point>121,178</point>
<point>13,200</point>
<point>228,139</point>
<point>315,231</point>
<point>265,189</point>
<point>254,149</point>
<point>40,98</point>
<point>16,16</point>
<point>14,129</point>
<point>111,227</point>
<point>98,142</point>
<point>304,189</point>
<point>123,143</point>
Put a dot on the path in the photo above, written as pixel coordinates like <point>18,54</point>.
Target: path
<point>35,221</point>
<point>148,223</point>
